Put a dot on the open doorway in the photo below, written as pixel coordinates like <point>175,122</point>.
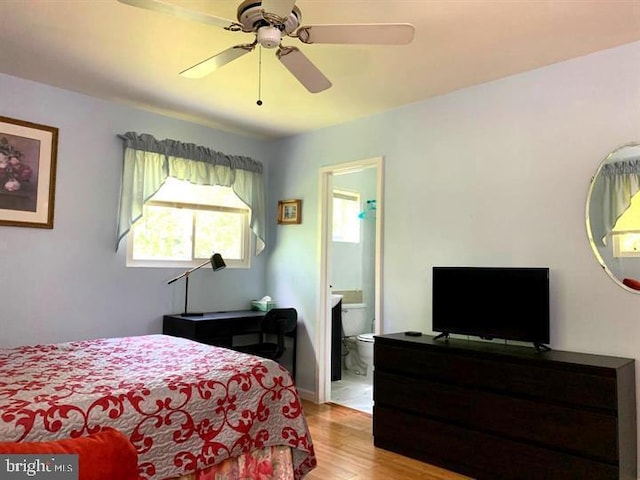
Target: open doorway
<point>351,264</point>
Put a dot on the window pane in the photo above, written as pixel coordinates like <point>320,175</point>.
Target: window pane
<point>630,243</point>
<point>220,232</point>
<point>626,244</point>
<point>346,225</point>
<point>163,234</point>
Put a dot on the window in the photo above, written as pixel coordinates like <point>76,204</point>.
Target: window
<point>346,226</point>
<point>626,231</point>
<point>183,224</point>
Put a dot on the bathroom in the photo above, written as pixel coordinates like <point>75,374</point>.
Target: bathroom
<point>353,279</point>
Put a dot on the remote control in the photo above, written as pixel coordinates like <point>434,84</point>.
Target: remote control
<point>411,333</point>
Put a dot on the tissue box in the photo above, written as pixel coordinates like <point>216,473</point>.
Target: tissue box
<point>263,306</point>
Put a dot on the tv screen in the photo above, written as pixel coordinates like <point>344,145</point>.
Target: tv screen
<point>492,302</point>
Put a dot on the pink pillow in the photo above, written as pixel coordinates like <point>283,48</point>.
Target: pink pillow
<point>106,455</point>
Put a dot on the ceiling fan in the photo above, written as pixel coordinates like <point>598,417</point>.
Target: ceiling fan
<point>271,21</point>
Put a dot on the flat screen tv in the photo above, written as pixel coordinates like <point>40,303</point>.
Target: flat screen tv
<point>492,302</point>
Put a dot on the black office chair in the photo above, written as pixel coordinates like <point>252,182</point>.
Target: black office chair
<point>277,322</point>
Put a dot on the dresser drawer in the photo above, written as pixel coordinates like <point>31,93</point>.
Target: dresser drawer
<point>481,455</point>
<point>433,442</point>
<point>548,424</point>
<point>573,430</point>
<point>501,374</point>
<point>422,397</point>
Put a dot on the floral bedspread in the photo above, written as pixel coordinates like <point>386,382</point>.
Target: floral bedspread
<point>183,405</point>
<point>273,463</point>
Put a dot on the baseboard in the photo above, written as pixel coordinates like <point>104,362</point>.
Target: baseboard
<point>311,395</point>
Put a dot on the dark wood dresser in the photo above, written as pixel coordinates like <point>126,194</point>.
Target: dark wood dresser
<point>493,411</point>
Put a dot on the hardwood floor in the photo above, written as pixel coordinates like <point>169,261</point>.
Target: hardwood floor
<point>344,448</point>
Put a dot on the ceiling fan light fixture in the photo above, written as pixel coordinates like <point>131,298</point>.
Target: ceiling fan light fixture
<point>252,16</point>
<point>269,37</point>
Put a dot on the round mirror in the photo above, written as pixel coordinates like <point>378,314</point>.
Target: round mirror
<point>613,216</point>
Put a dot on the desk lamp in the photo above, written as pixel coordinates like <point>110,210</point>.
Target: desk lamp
<point>217,263</point>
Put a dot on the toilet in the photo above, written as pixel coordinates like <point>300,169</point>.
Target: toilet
<point>358,339</point>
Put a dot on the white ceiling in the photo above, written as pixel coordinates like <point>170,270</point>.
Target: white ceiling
<point>122,53</point>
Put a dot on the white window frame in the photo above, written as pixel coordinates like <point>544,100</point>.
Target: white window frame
<point>246,242</point>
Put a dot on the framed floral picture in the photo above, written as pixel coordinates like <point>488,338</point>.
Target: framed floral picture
<point>27,173</point>
<point>289,211</point>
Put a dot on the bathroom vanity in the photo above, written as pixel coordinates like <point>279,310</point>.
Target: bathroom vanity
<point>492,410</point>
<point>336,340</point>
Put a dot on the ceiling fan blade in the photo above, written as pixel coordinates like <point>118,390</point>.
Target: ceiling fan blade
<point>211,64</point>
<point>362,33</point>
<point>180,12</point>
<point>281,8</point>
<point>302,68</point>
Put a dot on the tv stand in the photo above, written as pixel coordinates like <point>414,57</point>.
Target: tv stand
<point>444,335</point>
<point>540,347</point>
<point>497,411</point>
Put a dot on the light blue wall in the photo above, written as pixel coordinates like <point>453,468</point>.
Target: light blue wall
<point>494,175</point>
<point>68,283</point>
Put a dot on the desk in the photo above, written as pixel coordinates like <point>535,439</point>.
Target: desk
<point>220,328</point>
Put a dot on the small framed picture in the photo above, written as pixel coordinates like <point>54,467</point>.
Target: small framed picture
<point>27,173</point>
<point>289,211</point>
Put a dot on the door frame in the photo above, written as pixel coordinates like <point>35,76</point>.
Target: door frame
<point>323,332</point>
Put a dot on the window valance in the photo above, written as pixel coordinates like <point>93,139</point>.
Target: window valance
<point>148,162</point>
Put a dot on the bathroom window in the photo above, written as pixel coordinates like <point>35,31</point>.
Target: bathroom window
<point>346,224</point>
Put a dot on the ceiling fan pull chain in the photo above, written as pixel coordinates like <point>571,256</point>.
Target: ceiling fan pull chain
<point>259,102</point>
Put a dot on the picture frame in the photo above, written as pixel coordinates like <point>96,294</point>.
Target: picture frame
<point>289,212</point>
<point>28,156</point>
